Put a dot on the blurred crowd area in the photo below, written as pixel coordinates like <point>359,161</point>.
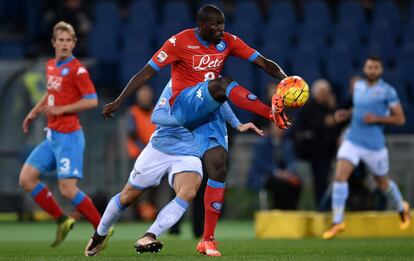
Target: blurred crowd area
<point>325,42</point>
<point>314,38</point>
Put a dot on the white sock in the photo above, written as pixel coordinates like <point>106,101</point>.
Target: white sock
<point>112,212</point>
<point>339,196</point>
<point>168,216</point>
<point>394,193</point>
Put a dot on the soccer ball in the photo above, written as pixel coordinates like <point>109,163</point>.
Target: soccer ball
<point>294,91</point>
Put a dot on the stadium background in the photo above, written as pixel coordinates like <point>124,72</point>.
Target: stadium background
<point>314,39</point>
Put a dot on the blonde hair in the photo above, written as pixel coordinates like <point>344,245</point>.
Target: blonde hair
<point>63,26</point>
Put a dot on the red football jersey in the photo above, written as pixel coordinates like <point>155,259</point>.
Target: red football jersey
<point>67,83</point>
<point>194,60</point>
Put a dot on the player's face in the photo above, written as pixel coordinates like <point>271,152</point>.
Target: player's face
<point>373,70</point>
<point>63,44</point>
<point>213,29</point>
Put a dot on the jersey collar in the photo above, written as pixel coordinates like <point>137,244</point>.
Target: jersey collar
<point>379,83</point>
<point>63,62</point>
<point>203,42</point>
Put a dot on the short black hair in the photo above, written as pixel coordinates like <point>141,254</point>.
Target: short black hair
<point>206,11</point>
<point>375,58</point>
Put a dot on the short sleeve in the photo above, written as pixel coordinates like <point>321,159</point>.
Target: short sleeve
<point>166,55</point>
<point>392,97</point>
<point>84,83</point>
<point>239,48</point>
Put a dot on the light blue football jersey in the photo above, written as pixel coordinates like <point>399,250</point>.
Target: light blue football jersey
<point>375,99</point>
<point>170,138</point>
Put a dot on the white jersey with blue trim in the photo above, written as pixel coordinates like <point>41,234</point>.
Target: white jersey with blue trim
<point>376,99</point>
<point>169,137</point>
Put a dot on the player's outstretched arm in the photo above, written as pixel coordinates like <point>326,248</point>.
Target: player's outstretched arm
<point>269,66</point>
<point>396,117</point>
<point>133,85</point>
<point>33,113</point>
<point>243,127</point>
<point>161,115</point>
<point>232,119</point>
<point>229,115</point>
<point>81,105</point>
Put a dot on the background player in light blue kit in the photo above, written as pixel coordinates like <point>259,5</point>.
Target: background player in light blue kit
<point>173,151</point>
<point>375,103</point>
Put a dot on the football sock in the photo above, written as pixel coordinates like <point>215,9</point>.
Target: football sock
<point>244,99</point>
<point>84,205</point>
<point>339,196</point>
<point>394,193</point>
<point>113,211</point>
<point>168,216</point>
<point>43,197</point>
<point>213,202</point>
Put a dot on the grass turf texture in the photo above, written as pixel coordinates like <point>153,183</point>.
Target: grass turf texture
<point>30,241</point>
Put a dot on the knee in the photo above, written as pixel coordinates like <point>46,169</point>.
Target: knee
<point>218,174</point>
<point>340,177</point>
<point>68,192</point>
<point>27,183</point>
<point>218,88</point>
<point>187,194</point>
<point>225,81</point>
<point>382,184</point>
<point>125,200</point>
<point>127,197</point>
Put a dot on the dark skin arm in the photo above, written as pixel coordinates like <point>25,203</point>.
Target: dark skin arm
<point>270,67</point>
<point>139,79</point>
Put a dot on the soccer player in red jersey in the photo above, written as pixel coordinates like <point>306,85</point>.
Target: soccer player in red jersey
<point>69,91</point>
<point>197,57</point>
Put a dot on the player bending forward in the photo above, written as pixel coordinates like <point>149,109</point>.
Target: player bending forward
<point>173,151</point>
<point>69,91</point>
<point>197,57</point>
<point>375,103</point>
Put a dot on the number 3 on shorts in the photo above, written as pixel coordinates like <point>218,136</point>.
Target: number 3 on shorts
<point>65,167</point>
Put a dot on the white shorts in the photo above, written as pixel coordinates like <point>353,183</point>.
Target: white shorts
<point>151,165</point>
<point>377,161</point>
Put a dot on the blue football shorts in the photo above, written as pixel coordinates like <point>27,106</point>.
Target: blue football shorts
<point>196,110</point>
<point>62,152</point>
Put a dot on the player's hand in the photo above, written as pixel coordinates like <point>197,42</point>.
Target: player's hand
<point>52,110</point>
<point>109,109</point>
<point>249,126</point>
<point>29,118</point>
<point>341,115</point>
<point>278,113</point>
<point>370,118</point>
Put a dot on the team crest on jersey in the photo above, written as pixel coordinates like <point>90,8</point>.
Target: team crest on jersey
<point>207,61</point>
<point>163,102</point>
<point>65,71</point>
<point>54,82</point>
<point>221,46</point>
<point>251,97</point>
<point>162,56</point>
<point>217,206</point>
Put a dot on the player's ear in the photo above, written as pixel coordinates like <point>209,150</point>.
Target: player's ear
<point>200,24</point>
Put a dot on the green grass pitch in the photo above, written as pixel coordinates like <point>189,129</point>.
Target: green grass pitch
<point>30,241</point>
